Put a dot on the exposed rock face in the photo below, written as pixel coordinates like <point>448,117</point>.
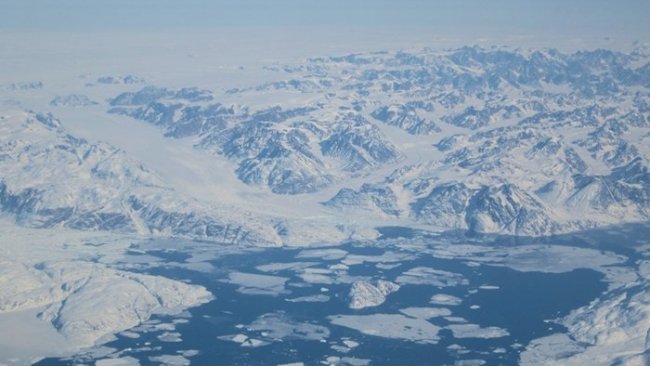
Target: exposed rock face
<point>364,294</point>
<point>525,142</point>
<point>50,178</point>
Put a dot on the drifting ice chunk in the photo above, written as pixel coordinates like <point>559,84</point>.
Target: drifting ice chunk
<point>255,284</point>
<point>444,299</point>
<point>475,331</point>
<point>390,326</point>
<point>430,276</point>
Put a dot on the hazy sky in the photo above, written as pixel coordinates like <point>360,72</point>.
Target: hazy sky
<point>107,33</point>
<point>587,17</point>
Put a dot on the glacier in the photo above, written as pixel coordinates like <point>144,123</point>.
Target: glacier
<point>530,143</point>
<point>321,151</point>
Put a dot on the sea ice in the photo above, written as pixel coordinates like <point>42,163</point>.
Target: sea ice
<point>476,331</point>
<point>170,360</point>
<point>327,254</point>
<point>387,266</point>
<point>189,353</point>
<point>387,257</point>
<point>278,326</point>
<point>350,343</point>
<point>312,298</point>
<point>430,276</point>
<point>317,276</point>
<point>531,258</point>
<point>256,284</point>
<point>390,326</point>
<point>277,267</point>
<point>444,299</point>
<point>425,313</point>
<point>345,361</point>
<point>474,362</point>
<point>170,337</point>
<point>122,361</point>
<point>488,287</point>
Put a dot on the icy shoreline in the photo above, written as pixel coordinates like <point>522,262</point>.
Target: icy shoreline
<point>61,287</point>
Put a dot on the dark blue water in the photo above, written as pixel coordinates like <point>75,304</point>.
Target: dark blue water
<point>521,305</point>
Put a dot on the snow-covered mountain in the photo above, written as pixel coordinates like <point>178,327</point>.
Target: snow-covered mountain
<point>521,142</point>
<point>73,100</point>
<point>287,149</point>
<point>525,142</point>
<point>51,178</point>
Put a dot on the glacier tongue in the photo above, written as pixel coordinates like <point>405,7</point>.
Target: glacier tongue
<point>50,178</point>
<point>522,142</point>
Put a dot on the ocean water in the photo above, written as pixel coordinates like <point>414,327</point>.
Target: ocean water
<point>522,303</point>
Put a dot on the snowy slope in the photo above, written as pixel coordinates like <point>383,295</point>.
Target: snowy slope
<point>525,142</point>
<point>50,178</point>
<point>61,291</point>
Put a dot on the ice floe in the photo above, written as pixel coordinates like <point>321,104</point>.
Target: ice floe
<point>327,254</point>
<point>170,337</point>
<point>473,362</point>
<point>278,326</point>
<point>291,266</point>
<point>311,298</point>
<point>122,361</point>
<point>444,299</point>
<point>390,326</point>
<point>488,287</point>
<point>257,284</point>
<point>244,340</point>
<point>425,313</point>
<point>170,360</point>
<point>345,361</point>
<point>476,331</point>
<point>350,343</point>
<point>531,258</point>
<point>317,276</point>
<point>431,277</point>
<point>386,257</point>
<point>387,266</point>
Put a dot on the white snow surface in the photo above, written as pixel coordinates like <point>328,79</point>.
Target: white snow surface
<point>611,329</point>
<point>445,299</point>
<point>585,167</point>
<point>476,331</point>
<point>60,294</point>
<point>425,312</point>
<point>256,284</point>
<point>121,361</point>
<point>390,326</point>
<point>432,277</point>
